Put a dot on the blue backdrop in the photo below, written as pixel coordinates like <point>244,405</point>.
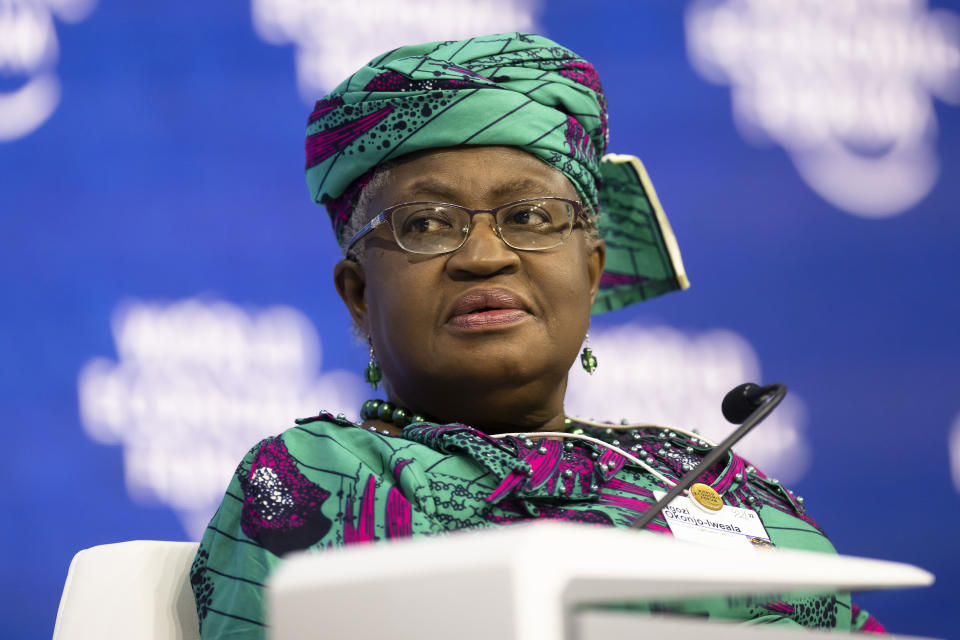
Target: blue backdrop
<point>168,173</point>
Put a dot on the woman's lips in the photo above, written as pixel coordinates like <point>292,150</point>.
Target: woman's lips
<point>488,319</point>
<point>487,309</point>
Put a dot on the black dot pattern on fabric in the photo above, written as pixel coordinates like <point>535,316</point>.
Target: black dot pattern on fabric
<point>817,613</point>
<point>396,125</point>
<point>201,584</point>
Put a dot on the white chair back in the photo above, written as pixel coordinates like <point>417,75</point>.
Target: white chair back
<point>138,589</point>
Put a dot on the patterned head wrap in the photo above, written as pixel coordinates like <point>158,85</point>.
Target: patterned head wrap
<point>515,89</point>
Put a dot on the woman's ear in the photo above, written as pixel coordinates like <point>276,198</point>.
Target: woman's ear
<point>596,260</point>
<point>351,284</point>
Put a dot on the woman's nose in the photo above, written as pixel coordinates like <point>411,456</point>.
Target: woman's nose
<point>483,253</point>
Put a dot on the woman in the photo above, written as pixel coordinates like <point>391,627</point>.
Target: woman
<point>481,223</point>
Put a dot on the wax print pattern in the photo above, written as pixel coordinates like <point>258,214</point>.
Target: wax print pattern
<point>516,89</point>
<point>327,483</point>
<point>643,260</point>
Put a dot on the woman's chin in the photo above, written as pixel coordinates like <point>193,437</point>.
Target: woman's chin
<point>473,364</point>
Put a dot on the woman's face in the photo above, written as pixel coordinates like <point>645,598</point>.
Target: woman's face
<point>444,348</point>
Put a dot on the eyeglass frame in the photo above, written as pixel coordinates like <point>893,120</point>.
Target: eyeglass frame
<point>385,216</point>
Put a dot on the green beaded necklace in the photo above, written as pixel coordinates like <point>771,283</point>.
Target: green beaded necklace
<point>389,412</point>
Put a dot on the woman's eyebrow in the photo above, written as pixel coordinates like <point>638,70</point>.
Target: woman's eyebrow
<point>433,187</point>
<point>524,186</point>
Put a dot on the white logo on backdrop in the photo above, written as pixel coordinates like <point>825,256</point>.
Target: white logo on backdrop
<point>954,446</point>
<point>844,86</point>
<point>332,38</point>
<point>664,376</point>
<point>196,384</point>
<point>28,55</point>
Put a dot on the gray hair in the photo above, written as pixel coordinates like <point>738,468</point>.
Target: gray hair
<point>361,214</point>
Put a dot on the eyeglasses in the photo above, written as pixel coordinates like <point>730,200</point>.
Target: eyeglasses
<point>532,224</point>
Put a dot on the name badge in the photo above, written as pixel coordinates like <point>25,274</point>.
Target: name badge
<point>728,527</point>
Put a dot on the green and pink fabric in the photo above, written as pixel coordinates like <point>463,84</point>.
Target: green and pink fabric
<point>514,89</point>
<point>329,483</point>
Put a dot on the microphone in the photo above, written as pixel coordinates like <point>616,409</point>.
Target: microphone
<point>740,401</point>
<point>748,404</point>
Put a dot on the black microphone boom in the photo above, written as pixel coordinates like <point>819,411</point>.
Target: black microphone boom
<point>760,401</point>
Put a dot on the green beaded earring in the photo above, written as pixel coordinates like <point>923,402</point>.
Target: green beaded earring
<point>587,360</point>
<point>373,374</point>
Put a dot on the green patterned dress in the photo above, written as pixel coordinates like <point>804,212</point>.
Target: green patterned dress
<point>327,482</point>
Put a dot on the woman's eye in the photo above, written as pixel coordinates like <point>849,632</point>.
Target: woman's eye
<point>530,216</point>
<point>426,223</point>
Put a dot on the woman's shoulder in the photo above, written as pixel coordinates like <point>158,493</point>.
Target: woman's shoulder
<point>324,432</point>
<point>324,442</point>
<point>283,480</point>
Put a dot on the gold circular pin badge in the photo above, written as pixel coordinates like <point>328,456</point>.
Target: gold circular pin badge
<point>706,497</point>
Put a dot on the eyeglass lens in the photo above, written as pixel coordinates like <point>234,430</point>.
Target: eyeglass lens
<point>438,228</point>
